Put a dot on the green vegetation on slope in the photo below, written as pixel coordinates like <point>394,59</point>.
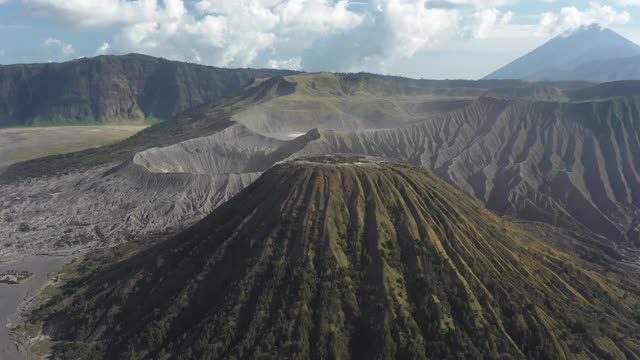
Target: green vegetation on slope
<point>343,258</point>
<point>351,102</point>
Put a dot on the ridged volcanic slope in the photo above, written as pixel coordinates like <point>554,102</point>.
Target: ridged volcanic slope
<point>545,161</point>
<point>345,258</point>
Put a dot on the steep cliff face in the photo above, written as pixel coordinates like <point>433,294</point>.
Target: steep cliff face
<point>110,89</point>
<point>344,257</point>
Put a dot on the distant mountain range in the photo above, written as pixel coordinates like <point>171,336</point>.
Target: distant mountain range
<point>113,89</point>
<point>138,88</point>
<point>590,53</point>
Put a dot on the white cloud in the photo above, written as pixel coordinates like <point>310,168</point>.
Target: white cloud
<point>290,64</point>
<point>320,16</point>
<point>480,3</point>
<point>225,32</point>
<point>418,25</point>
<point>243,28</point>
<point>397,30</point>
<point>317,16</point>
<point>629,2</point>
<point>571,18</point>
<point>65,49</point>
<point>483,23</point>
<point>414,26</point>
<point>346,35</point>
<point>103,48</point>
<point>196,58</point>
<point>101,13</point>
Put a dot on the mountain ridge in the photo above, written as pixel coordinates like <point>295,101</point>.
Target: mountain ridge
<point>546,151</point>
<point>113,89</point>
<point>133,88</point>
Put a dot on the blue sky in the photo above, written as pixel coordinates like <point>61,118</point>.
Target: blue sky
<point>417,38</point>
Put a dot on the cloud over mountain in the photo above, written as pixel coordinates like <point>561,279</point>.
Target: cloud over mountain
<point>229,32</point>
<point>336,35</point>
<point>570,18</point>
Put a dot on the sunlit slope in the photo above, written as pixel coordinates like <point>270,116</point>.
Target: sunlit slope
<point>350,102</point>
<point>338,257</point>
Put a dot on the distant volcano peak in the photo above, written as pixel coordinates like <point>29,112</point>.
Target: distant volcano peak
<point>571,56</point>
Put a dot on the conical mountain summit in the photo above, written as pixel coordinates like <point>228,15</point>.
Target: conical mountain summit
<point>345,257</point>
<point>589,53</point>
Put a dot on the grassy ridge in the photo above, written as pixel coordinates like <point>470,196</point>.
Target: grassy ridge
<point>325,100</point>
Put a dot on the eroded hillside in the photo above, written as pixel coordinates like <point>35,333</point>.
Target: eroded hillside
<point>343,257</point>
<point>554,162</point>
<point>565,163</point>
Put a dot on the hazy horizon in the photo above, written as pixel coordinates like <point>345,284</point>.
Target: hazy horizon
<point>443,39</point>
